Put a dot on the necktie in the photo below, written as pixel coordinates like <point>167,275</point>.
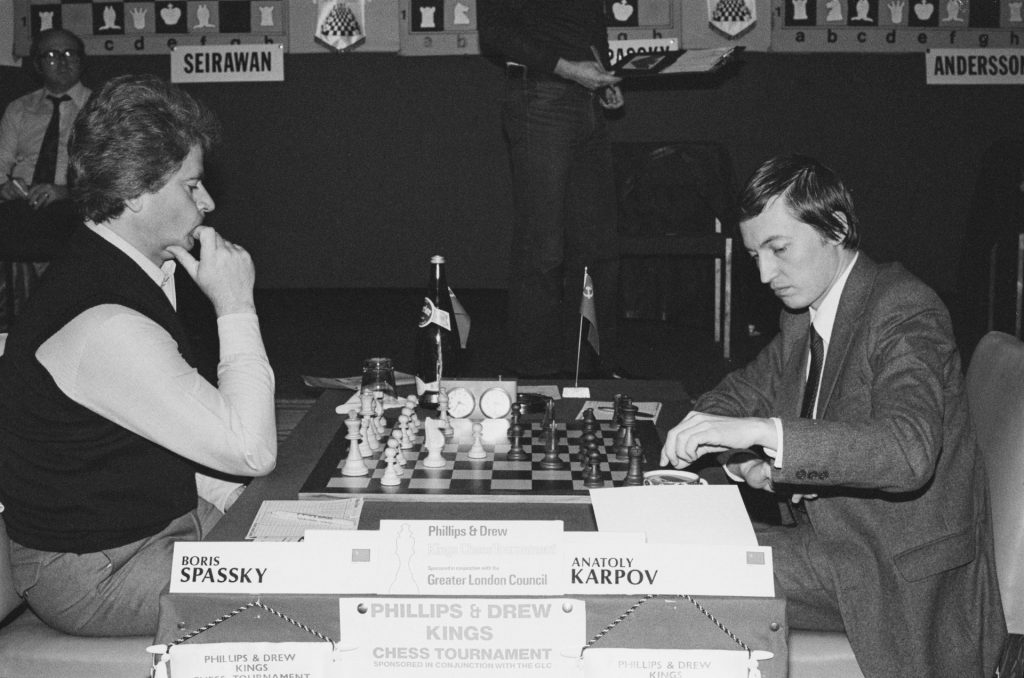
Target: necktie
<point>46,163</point>
<point>813,374</point>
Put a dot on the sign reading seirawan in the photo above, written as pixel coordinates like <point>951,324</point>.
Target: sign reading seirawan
<point>227,63</point>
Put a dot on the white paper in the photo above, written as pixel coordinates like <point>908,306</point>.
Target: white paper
<point>267,526</point>
<point>676,514</point>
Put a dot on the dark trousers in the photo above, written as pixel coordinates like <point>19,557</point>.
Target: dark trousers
<point>565,201</point>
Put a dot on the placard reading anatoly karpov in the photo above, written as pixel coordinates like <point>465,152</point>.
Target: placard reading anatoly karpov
<point>470,557</point>
<point>459,637</point>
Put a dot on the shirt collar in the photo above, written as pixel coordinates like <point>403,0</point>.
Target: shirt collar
<point>78,92</point>
<point>824,318</point>
<point>163,275</point>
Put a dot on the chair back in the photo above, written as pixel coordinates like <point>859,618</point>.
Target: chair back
<point>995,394</point>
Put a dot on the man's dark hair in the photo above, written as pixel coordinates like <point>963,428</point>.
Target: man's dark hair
<point>813,192</point>
<point>130,137</point>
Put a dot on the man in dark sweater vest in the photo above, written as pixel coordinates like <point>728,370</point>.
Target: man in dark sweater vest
<point>107,427</point>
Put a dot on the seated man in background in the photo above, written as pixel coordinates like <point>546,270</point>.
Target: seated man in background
<point>36,213</point>
<point>894,545</point>
<point>104,418</point>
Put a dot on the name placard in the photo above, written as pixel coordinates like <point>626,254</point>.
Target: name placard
<point>702,569</point>
<point>975,66</point>
<point>251,660</point>
<point>443,637</point>
<point>466,557</point>
<point>228,63</point>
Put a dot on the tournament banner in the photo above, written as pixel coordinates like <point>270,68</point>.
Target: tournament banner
<point>152,27</point>
<point>895,25</point>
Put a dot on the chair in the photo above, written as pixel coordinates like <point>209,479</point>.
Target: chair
<point>673,200</point>
<point>28,647</point>
<point>995,391</point>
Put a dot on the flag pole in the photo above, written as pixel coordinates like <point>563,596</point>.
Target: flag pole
<point>579,338</point>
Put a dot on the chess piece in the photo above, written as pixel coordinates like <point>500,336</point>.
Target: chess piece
<point>395,441</point>
<point>414,418</point>
<point>621,401</point>
<point>354,465</point>
<point>403,427</point>
<point>551,460</point>
<point>391,471</point>
<point>625,440</point>
<point>635,474</point>
<point>442,406</point>
<point>515,431</point>
<point>477,451</point>
<point>434,442</point>
<point>592,477</point>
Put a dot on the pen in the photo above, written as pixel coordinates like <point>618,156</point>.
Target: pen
<point>313,518</point>
<point>639,414</point>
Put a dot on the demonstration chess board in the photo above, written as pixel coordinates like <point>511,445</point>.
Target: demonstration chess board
<point>492,479</point>
<point>151,26</point>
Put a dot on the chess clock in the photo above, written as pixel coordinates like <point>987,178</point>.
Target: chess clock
<point>479,399</point>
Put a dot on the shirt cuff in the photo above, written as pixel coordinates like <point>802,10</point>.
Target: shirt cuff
<point>776,454</point>
<point>240,333</point>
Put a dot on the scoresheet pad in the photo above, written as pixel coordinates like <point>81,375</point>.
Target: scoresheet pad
<point>492,479</point>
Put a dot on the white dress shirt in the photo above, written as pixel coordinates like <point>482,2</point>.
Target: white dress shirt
<point>23,127</point>
<point>125,367</point>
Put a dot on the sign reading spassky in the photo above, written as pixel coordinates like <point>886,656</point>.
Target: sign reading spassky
<point>228,63</point>
<point>975,66</point>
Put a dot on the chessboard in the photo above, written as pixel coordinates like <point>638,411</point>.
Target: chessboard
<point>494,479</point>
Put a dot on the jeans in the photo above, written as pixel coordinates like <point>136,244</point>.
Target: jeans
<point>564,192</point>
<point>115,592</point>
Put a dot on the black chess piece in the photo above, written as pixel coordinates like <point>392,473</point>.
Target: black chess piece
<point>621,400</point>
<point>625,441</point>
<point>515,431</point>
<point>593,476</point>
<point>551,460</point>
<point>635,474</point>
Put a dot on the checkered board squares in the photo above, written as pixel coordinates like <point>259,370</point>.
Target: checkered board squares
<point>116,26</point>
<point>492,479</point>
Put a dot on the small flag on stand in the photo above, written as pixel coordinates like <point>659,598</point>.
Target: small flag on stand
<point>340,23</point>
<point>589,311</point>
<point>461,318</point>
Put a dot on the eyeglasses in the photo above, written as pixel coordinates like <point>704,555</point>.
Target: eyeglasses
<point>54,55</point>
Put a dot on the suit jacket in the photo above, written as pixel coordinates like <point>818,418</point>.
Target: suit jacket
<point>902,518</point>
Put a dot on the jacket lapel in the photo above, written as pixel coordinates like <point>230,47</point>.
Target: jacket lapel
<point>851,307</point>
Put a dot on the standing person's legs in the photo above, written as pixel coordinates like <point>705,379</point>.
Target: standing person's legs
<point>114,592</point>
<point>591,230</point>
<point>540,118</point>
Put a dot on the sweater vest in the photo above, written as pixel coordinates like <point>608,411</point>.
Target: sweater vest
<point>71,480</point>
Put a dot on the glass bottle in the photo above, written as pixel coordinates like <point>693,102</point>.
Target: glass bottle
<point>437,339</point>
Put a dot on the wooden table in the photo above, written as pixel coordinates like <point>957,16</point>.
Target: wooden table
<point>664,621</point>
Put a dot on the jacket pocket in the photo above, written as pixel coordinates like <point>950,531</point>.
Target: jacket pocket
<point>937,556</point>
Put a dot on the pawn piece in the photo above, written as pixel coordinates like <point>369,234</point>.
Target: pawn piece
<point>365,435</point>
<point>593,476</point>
<point>434,442</point>
<point>374,441</point>
<point>477,450</point>
<point>391,471</point>
<point>396,441</point>
<point>515,432</point>
<point>399,458</point>
<point>635,474</point>
<point>354,465</point>
<point>587,439</point>
<point>410,425</point>
<point>403,429</point>
<point>442,406</point>
<point>414,402</point>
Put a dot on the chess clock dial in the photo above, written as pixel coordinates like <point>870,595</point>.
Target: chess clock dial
<point>495,403</point>
<point>461,402</point>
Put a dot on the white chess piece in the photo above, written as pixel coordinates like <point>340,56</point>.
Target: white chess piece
<point>203,17</point>
<point>434,442</point>
<point>266,15</point>
<point>442,407</point>
<point>354,465</point>
<point>477,451</point>
<point>391,472</point>
<point>139,17</point>
<point>403,427</point>
<point>395,441</point>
